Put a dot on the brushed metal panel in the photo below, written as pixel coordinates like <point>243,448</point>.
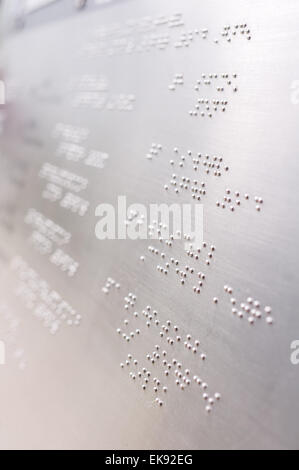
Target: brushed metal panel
<point>67,390</point>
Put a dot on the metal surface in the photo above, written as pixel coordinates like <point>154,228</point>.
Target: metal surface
<point>114,69</point>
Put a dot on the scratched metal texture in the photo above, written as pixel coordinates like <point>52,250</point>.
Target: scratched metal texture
<point>72,392</point>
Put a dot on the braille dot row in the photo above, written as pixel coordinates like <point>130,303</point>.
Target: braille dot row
<point>184,272</point>
<point>121,39</point>
<point>208,80</point>
<point>130,301</point>
<point>128,337</point>
<point>110,284</point>
<point>232,200</point>
<point>178,80</point>
<point>251,308</point>
<point>155,151</point>
<point>212,165</point>
<point>229,32</point>
<point>207,108</point>
<point>156,355</point>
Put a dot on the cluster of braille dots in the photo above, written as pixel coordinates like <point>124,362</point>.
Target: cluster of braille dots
<point>187,271</point>
<point>130,301</point>
<point>126,41</point>
<point>186,38</point>
<point>208,79</point>
<point>231,32</point>
<point>250,309</point>
<point>228,33</point>
<point>160,41</point>
<point>182,379</point>
<point>185,183</point>
<point>165,333</point>
<point>232,200</point>
<point>175,20</point>
<point>178,80</point>
<point>145,376</point>
<point>155,151</point>
<point>171,366</point>
<point>208,107</point>
<point>210,165</point>
<point>135,37</point>
<point>133,215</point>
<point>196,254</point>
<point>110,284</point>
<point>160,231</point>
